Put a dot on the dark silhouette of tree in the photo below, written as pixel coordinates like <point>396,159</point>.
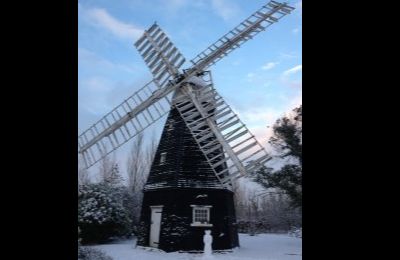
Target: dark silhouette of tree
<point>287,142</point>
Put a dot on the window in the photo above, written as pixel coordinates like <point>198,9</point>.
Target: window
<point>163,157</point>
<point>201,215</point>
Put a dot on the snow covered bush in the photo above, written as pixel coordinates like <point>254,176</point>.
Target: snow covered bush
<point>87,253</point>
<point>296,232</point>
<point>101,212</point>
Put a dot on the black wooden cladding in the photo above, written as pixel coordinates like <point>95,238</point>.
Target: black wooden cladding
<point>185,178</point>
<point>176,231</point>
<point>185,165</point>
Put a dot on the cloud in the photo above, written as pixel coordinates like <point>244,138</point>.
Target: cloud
<point>173,6</point>
<point>299,6</point>
<point>291,81</point>
<point>286,56</point>
<point>267,84</point>
<point>269,65</point>
<point>93,95</point>
<point>296,30</point>
<point>261,119</point>
<point>89,59</point>
<point>225,9</point>
<point>250,76</point>
<point>101,18</point>
<point>236,63</point>
<point>296,101</point>
<point>176,4</point>
<point>292,70</point>
<point>258,115</point>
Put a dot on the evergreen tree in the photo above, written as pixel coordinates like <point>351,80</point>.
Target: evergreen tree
<point>101,208</point>
<point>287,141</point>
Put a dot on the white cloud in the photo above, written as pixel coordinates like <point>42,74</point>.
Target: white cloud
<point>269,65</point>
<point>261,119</point>
<point>173,6</point>
<point>96,84</point>
<point>90,60</point>
<point>93,93</point>
<point>296,101</point>
<point>299,6</point>
<point>259,115</point>
<point>292,70</point>
<point>296,30</point>
<point>101,18</point>
<point>236,63</point>
<point>225,9</point>
<point>176,4</point>
<point>291,55</point>
<point>251,76</point>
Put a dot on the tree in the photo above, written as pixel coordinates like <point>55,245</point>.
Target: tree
<point>287,142</point>
<point>83,174</point>
<point>109,170</point>
<point>287,137</point>
<point>102,211</point>
<point>260,210</point>
<point>252,211</point>
<point>138,167</point>
<point>239,199</point>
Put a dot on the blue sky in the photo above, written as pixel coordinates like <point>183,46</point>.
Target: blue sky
<point>261,80</point>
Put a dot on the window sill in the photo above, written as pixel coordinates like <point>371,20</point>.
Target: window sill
<point>200,225</point>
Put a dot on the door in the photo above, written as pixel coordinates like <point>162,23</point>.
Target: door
<point>156,212</point>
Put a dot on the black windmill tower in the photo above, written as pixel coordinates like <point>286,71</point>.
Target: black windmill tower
<point>203,147</point>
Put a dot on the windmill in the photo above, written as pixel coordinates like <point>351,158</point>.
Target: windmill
<point>204,145</point>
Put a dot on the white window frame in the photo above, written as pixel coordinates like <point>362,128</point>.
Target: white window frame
<point>163,157</point>
<point>201,224</point>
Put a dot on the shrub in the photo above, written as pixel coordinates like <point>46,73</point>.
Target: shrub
<point>87,253</point>
<point>101,213</point>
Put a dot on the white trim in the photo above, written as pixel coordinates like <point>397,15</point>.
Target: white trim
<point>201,206</point>
<point>157,206</point>
<point>200,225</point>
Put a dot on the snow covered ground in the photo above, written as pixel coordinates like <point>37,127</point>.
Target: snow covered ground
<point>260,247</point>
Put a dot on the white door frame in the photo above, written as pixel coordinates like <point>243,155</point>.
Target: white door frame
<point>155,225</point>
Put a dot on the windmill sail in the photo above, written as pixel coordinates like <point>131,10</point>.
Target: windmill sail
<point>144,107</point>
<point>220,134</point>
<point>160,54</point>
<point>254,24</point>
<point>123,123</point>
<point>203,110</point>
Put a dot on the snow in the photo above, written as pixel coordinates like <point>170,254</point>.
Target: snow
<point>202,196</point>
<point>198,81</point>
<point>259,247</point>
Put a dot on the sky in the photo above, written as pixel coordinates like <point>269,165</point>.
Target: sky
<point>261,81</point>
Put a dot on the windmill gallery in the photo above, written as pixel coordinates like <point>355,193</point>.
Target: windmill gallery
<point>204,146</point>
